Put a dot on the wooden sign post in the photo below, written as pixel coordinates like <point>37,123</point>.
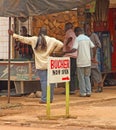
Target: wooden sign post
<point>58,72</point>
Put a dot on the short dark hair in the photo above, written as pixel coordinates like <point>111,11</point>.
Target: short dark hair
<point>86,24</point>
<point>24,29</point>
<point>78,30</point>
<point>68,26</point>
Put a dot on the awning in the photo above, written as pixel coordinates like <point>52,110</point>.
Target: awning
<point>24,8</point>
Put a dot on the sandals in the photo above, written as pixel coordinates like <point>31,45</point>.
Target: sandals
<point>99,90</point>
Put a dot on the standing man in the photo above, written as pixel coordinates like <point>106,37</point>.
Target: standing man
<point>95,72</point>
<point>68,44</point>
<point>43,46</point>
<point>25,51</point>
<point>83,45</point>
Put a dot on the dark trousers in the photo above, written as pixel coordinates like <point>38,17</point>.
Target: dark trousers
<point>73,74</point>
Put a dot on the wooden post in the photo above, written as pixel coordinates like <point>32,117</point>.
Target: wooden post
<point>48,101</point>
<point>67,99</point>
<point>9,62</point>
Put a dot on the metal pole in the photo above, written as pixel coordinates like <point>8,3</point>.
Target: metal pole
<point>9,47</point>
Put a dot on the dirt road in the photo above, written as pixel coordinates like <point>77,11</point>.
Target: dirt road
<point>20,128</point>
<point>97,112</point>
<point>33,128</point>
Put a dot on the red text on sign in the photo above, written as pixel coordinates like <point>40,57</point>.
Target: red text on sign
<point>58,64</point>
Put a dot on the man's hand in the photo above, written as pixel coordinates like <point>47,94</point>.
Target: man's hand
<point>58,54</point>
<point>94,60</point>
<point>69,40</point>
<point>10,32</point>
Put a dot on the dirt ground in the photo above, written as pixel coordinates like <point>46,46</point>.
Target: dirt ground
<point>97,112</point>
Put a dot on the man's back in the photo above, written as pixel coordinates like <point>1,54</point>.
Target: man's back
<point>95,39</point>
<point>83,44</point>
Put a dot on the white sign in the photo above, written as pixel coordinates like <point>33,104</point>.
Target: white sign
<point>58,69</point>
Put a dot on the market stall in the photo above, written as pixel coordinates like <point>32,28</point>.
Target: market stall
<point>21,8</point>
<point>22,73</point>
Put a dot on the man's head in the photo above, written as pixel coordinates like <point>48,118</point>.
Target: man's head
<point>78,31</point>
<point>87,28</point>
<point>41,41</point>
<point>23,31</point>
<point>68,26</point>
<point>43,30</point>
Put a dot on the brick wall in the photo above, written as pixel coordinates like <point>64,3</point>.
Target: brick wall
<point>54,23</point>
